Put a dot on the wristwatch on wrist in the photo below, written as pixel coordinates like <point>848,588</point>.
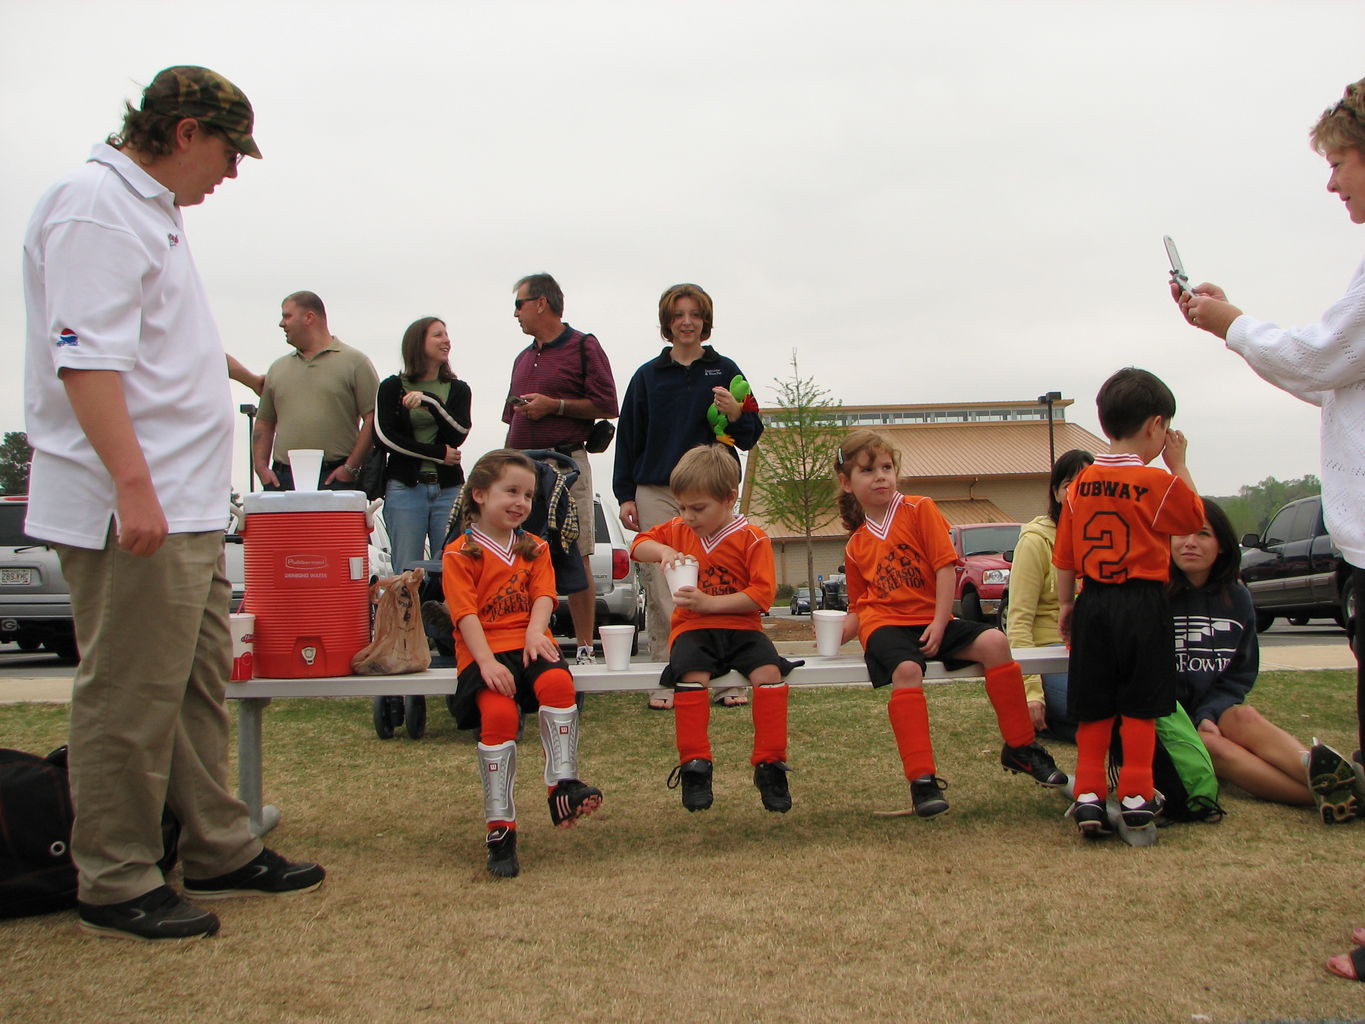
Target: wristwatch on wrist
<point>353,470</point>
<point>561,407</point>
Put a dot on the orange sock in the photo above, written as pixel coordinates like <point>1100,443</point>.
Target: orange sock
<point>1005,688</point>
<point>1092,747</point>
<point>770,724</point>
<point>909,713</point>
<point>1139,745</point>
<point>691,720</point>
<point>499,717</point>
<point>554,689</point>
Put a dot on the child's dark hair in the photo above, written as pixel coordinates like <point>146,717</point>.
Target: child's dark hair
<point>1129,399</point>
<point>486,472</point>
<point>1066,467</point>
<point>1227,567</point>
<point>859,449</point>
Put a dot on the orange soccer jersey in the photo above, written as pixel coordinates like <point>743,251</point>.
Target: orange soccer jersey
<point>498,587</point>
<point>891,565</point>
<point>1118,520</point>
<point>738,559</point>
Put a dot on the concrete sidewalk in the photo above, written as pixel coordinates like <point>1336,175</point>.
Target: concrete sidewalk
<point>19,689</point>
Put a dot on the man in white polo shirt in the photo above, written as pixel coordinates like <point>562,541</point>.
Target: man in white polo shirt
<point>131,422</point>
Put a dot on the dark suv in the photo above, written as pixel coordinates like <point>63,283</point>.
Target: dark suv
<point>1293,568</point>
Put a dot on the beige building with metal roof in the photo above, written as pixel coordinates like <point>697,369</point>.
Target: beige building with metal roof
<point>981,462</point>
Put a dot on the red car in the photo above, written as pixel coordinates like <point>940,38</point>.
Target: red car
<point>982,570</point>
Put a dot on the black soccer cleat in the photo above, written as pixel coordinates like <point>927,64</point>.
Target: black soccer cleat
<point>571,800</point>
<point>926,794</point>
<point>771,779</point>
<point>695,776</point>
<point>502,852</point>
<point>1090,815</point>
<point>1032,760</point>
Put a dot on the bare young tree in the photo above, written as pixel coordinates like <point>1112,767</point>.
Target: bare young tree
<point>793,482</point>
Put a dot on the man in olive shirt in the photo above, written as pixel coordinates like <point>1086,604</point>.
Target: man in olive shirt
<point>319,396</point>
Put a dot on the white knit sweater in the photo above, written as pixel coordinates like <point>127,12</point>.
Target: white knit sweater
<point>1324,364</point>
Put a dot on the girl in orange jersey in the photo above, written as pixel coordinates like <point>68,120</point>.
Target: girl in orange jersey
<point>900,594</point>
<point>500,589</point>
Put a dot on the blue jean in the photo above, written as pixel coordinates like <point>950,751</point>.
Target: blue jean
<point>1059,725</point>
<point>415,517</point>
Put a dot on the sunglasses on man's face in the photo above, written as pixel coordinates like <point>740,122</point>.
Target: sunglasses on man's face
<point>521,302</point>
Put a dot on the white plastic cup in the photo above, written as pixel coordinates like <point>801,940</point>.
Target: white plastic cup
<point>306,465</point>
<point>829,631</point>
<point>683,574</point>
<point>616,641</point>
<point>243,627</point>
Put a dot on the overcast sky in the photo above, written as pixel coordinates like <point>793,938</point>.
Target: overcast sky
<point>929,202</point>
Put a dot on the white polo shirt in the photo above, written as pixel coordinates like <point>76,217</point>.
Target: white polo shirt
<point>110,284</point>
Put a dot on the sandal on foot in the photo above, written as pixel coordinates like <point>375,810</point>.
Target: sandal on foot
<point>734,697</point>
<point>661,700</point>
<point>1349,965</point>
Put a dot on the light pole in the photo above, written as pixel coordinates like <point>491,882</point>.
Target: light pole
<point>1047,400</point>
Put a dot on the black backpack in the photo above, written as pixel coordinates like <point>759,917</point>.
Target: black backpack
<point>37,875</point>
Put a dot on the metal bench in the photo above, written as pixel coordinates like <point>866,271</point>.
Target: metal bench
<point>253,695</point>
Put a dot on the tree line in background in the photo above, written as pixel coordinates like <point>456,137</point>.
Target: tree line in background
<point>1252,506</point>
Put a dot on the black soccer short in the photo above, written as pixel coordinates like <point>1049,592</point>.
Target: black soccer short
<point>1122,652</point>
<point>718,651</point>
<point>889,646</point>
<point>465,706</point>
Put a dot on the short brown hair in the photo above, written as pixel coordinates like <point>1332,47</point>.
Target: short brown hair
<point>1342,126</point>
<point>710,469</point>
<point>859,449</point>
<point>308,302</point>
<point>685,291</point>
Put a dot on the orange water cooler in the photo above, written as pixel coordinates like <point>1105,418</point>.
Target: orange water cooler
<point>307,580</point>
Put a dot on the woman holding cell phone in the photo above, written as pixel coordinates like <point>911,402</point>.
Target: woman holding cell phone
<point>1324,364</point>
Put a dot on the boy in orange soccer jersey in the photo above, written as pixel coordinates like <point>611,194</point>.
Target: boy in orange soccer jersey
<point>716,624</point>
<point>1115,530</point>
<point>900,597</point>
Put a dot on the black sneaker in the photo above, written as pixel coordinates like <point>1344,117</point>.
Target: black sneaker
<point>502,852</point>
<point>159,914</point>
<point>926,793</point>
<point>771,779</point>
<point>571,800</point>
<point>1090,816</point>
<point>1034,761</point>
<point>1139,812</point>
<point>695,776</point>
<point>1332,780</point>
<point>266,873</point>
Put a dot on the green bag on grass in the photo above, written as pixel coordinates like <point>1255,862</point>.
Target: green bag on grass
<point>1181,769</point>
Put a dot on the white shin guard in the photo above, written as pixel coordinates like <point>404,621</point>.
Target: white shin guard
<point>499,766</point>
<point>559,735</point>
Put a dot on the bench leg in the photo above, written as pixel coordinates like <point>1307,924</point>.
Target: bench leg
<point>249,776</point>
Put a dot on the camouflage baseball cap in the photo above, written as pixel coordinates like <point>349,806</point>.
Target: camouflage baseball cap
<point>189,91</point>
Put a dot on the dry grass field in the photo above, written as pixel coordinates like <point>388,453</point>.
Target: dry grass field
<point>994,912</point>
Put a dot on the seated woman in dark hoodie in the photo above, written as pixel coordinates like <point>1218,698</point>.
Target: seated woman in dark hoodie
<point>1217,656</point>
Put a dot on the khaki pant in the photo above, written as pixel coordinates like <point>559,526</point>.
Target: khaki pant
<point>148,724</point>
<point>655,505</point>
